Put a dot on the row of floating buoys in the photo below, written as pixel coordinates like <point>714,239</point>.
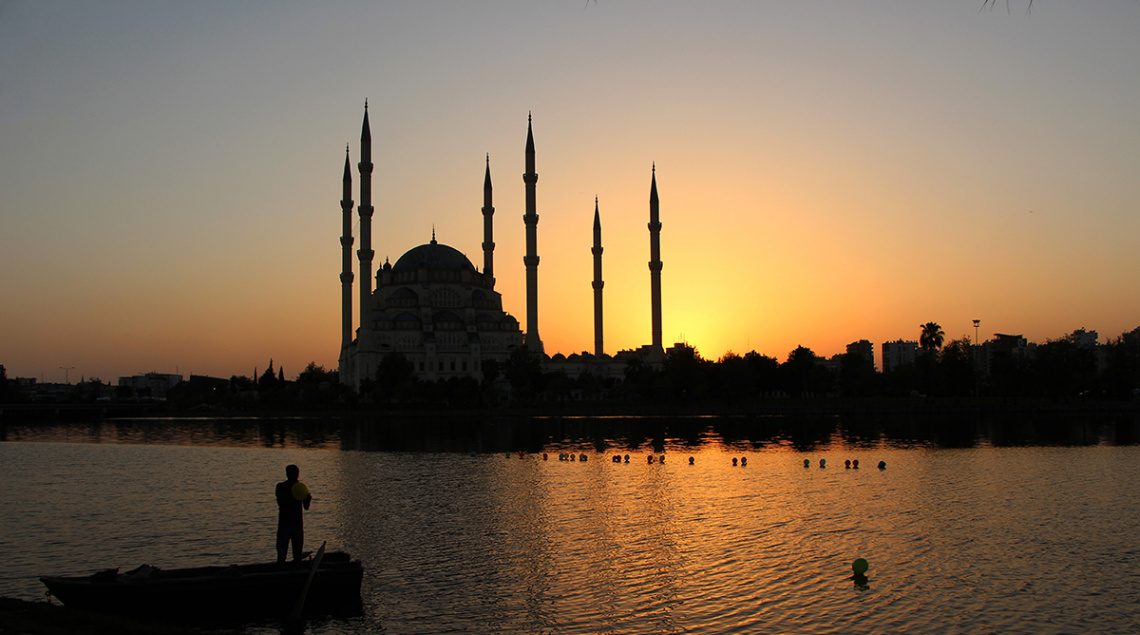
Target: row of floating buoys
<point>848,464</point>
<point>651,459</point>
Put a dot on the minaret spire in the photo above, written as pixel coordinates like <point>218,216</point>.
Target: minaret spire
<point>655,263</point>
<point>598,284</point>
<point>488,229</point>
<point>531,338</point>
<point>365,210</point>
<point>346,259</point>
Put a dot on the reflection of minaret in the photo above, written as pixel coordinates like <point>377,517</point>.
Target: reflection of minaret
<point>655,263</point>
<point>365,210</point>
<point>598,284</point>
<point>531,338</point>
<point>488,243</point>
<point>346,264</point>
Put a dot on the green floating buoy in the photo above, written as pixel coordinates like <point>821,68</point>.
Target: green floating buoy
<point>860,566</point>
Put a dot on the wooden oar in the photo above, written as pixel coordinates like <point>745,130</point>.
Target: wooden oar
<point>305,591</point>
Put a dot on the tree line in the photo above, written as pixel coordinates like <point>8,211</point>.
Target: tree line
<point>1059,369</point>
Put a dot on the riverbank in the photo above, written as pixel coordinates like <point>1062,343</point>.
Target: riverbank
<point>18,617</point>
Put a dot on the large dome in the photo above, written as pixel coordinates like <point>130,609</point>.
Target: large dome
<point>434,257</point>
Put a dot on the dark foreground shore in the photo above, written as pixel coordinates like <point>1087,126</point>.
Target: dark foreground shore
<point>18,617</point>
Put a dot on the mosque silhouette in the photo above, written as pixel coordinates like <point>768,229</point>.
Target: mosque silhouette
<point>439,311</point>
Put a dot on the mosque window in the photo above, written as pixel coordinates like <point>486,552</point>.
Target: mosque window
<point>447,321</point>
<point>445,299</point>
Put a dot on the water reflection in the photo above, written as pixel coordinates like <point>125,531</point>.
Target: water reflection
<point>497,544</point>
<point>502,433</point>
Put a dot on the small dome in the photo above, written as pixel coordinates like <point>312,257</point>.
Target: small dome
<point>434,257</point>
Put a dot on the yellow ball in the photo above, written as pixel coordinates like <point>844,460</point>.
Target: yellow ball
<point>300,491</point>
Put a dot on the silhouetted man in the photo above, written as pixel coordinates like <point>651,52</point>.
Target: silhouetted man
<point>292,498</point>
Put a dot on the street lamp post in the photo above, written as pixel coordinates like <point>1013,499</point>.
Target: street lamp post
<point>66,374</point>
<point>974,359</point>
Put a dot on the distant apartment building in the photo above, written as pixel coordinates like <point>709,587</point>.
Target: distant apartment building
<point>154,385</point>
<point>898,353</point>
<point>864,348</point>
<point>1085,339</point>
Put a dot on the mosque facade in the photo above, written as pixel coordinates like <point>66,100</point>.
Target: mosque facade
<point>434,307</point>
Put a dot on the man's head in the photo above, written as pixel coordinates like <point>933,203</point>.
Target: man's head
<point>292,472</point>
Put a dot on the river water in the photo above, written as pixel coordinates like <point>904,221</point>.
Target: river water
<point>455,537</point>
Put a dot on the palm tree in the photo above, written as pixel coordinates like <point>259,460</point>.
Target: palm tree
<point>931,338</point>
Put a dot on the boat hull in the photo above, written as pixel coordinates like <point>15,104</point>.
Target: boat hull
<point>223,593</point>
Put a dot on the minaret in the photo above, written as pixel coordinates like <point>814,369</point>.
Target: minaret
<point>598,284</point>
<point>365,210</point>
<point>655,263</point>
<point>488,229</point>
<point>531,338</point>
<point>346,261</point>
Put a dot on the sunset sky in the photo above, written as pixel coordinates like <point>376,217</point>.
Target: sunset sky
<point>170,172</point>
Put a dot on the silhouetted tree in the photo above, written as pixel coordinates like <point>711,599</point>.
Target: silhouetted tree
<point>733,378</point>
<point>931,338</point>
<point>1122,366</point>
<point>903,380</point>
<point>765,369</point>
<point>686,373</point>
<point>241,382</point>
<point>1011,376</point>
<point>641,381</point>
<point>857,376</point>
<point>395,378</point>
<point>559,385</point>
<point>268,379</point>
<point>524,370</point>
<point>492,369</point>
<point>317,387</point>
<point>802,374</point>
<point>1064,368</point>
<point>957,368</point>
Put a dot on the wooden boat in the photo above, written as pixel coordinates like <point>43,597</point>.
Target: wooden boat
<point>219,593</point>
